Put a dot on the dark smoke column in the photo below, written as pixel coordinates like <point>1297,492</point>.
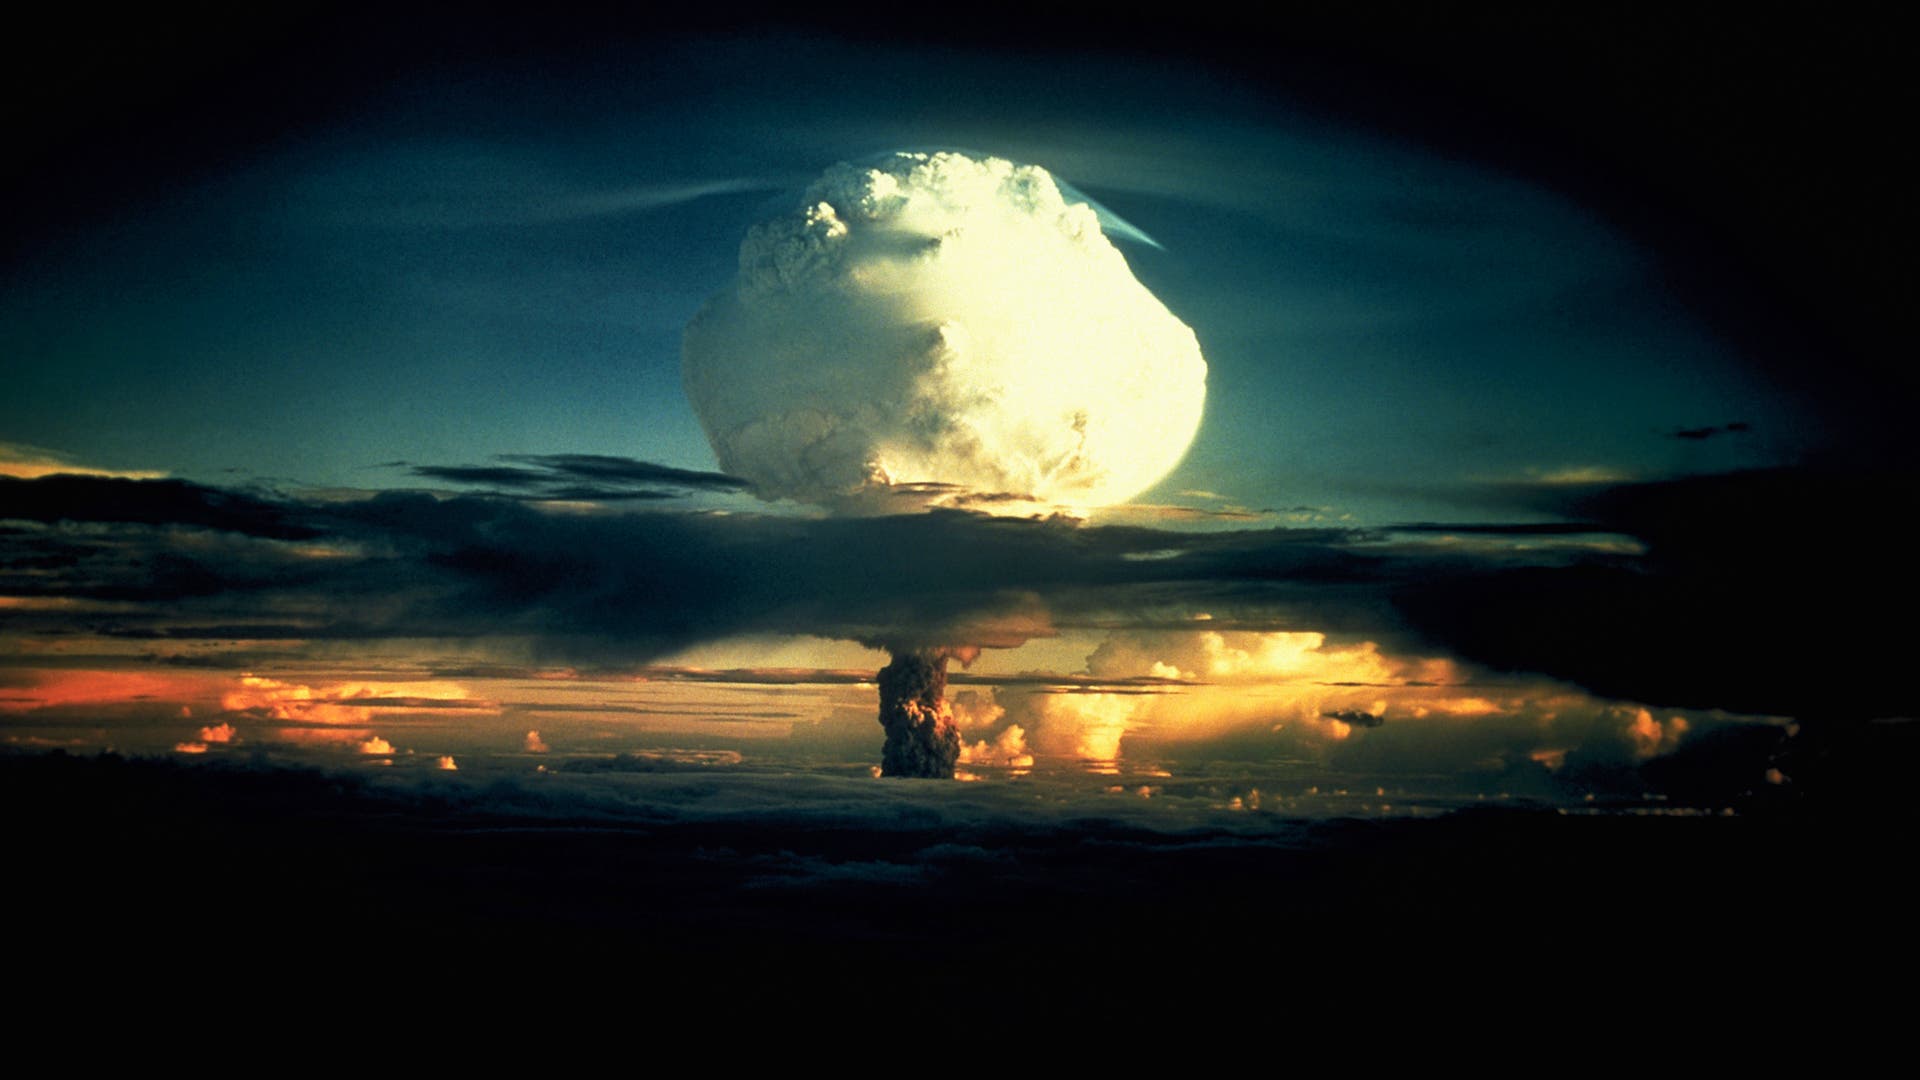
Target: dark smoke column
<point>922,739</point>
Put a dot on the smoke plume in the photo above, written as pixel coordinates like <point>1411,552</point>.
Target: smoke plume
<point>922,738</point>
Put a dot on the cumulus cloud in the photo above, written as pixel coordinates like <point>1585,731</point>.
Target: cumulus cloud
<point>1009,748</point>
<point>945,320</point>
<point>535,744</point>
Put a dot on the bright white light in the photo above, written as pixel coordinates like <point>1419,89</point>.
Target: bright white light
<point>948,322</point>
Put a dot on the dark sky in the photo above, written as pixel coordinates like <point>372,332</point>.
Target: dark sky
<point>1564,344</point>
<point>1419,248</point>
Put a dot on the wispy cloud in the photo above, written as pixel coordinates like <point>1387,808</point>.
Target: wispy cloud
<point>581,478</point>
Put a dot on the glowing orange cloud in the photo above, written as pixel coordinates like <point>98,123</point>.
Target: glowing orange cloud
<point>49,688</point>
<point>1652,737</point>
<point>32,462</point>
<point>346,703</point>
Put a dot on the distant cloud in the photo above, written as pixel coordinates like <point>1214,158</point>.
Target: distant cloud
<point>582,478</point>
<point>616,201</point>
<point>646,761</point>
<point>1756,589</point>
<point>1580,476</point>
<point>22,462</point>
<point>1701,433</point>
<point>535,744</point>
<point>1356,718</point>
<point>99,498</point>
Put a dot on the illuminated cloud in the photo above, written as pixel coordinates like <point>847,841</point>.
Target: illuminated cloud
<point>323,737</point>
<point>535,744</point>
<point>81,688</point>
<point>376,746</point>
<point>31,462</point>
<point>345,703</point>
<point>1086,726</point>
<point>947,327</point>
<point>1009,748</point>
<point>210,736</point>
<point>1651,736</point>
<point>446,763</point>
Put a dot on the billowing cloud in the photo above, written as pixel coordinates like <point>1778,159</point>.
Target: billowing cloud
<point>939,319</point>
<point>1009,748</point>
<point>535,744</point>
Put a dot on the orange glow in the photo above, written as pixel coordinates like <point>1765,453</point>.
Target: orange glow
<point>347,703</point>
<point>376,746</point>
<point>535,745</point>
<point>1551,757</point>
<point>190,748</point>
<point>1458,706</point>
<point>323,736</point>
<point>218,733</point>
<point>1651,737</point>
<point>32,463</point>
<point>81,687</point>
<point>1087,726</point>
<point>445,763</point>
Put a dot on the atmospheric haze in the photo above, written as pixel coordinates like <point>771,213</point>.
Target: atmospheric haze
<point>947,329</point>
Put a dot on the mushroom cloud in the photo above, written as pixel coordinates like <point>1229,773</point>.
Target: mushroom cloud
<point>943,329</point>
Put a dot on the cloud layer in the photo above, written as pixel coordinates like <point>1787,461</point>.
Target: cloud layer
<point>1742,591</point>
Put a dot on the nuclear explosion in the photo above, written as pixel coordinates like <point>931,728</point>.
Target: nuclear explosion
<point>922,739</point>
<point>940,329</point>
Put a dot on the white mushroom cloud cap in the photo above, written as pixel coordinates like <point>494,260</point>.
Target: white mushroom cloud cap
<point>946,328</point>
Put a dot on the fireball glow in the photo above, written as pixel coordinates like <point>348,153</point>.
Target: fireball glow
<point>947,327</point>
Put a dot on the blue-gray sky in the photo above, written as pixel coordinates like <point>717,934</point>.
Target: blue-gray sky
<point>485,258</point>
